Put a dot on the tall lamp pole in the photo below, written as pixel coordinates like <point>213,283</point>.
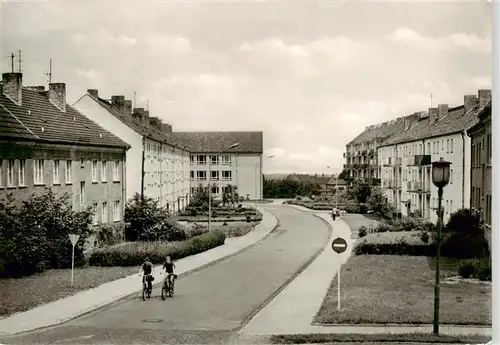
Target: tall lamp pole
<point>336,188</point>
<point>440,178</point>
<point>256,182</point>
<point>210,187</point>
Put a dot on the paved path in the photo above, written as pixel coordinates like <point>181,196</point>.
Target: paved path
<point>211,304</point>
<point>284,315</point>
<point>83,302</point>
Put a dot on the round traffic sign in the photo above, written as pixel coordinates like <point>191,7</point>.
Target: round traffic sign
<point>339,245</point>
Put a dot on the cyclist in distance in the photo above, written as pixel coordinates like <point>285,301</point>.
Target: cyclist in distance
<point>147,269</point>
<point>169,266</point>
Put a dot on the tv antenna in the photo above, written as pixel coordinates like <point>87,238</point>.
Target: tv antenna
<point>49,74</point>
<point>19,62</point>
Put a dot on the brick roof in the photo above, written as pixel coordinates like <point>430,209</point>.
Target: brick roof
<point>38,119</point>
<point>456,121</point>
<point>149,131</point>
<point>484,117</point>
<point>381,131</point>
<point>211,142</point>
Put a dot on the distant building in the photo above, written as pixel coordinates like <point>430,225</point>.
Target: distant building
<point>158,163</point>
<point>45,143</point>
<point>480,162</point>
<point>335,184</point>
<point>240,166</point>
<point>320,180</point>
<point>406,157</point>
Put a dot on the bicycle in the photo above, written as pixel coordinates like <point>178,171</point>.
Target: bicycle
<point>146,291</point>
<point>168,286</point>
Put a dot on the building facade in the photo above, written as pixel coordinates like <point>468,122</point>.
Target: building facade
<point>158,164</point>
<point>480,161</point>
<point>212,162</point>
<point>45,143</point>
<point>362,161</point>
<point>406,159</point>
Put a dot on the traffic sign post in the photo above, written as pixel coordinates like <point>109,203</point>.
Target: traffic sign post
<point>339,245</point>
<point>73,238</point>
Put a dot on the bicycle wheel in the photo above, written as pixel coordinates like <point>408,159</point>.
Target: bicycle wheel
<point>144,288</point>
<point>163,292</point>
<point>171,288</point>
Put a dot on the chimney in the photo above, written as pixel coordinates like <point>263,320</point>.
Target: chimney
<point>12,86</point>
<point>146,118</point>
<point>57,95</point>
<point>433,115</point>
<point>167,128</point>
<point>118,102</point>
<point>484,97</point>
<point>128,108</point>
<point>442,110</point>
<point>36,88</point>
<point>138,113</point>
<point>470,101</point>
<point>93,92</point>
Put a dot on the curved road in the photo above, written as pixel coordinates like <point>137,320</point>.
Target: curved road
<point>210,305</point>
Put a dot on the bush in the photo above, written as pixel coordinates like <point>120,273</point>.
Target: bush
<point>363,231</point>
<point>424,237</point>
<point>456,245</point>
<point>193,212</point>
<point>465,222</point>
<point>109,234</point>
<point>383,227</point>
<point>34,233</point>
<point>476,268</point>
<point>135,253</point>
<point>466,269</point>
<point>399,247</point>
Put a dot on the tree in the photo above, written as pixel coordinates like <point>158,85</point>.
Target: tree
<point>378,203</point>
<point>230,195</point>
<point>360,192</point>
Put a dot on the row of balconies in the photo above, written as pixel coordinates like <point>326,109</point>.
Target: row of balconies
<point>418,187</point>
<point>357,153</point>
<point>416,160</point>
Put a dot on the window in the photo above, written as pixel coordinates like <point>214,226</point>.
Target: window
<point>451,176</point>
<point>116,211</point>
<point>428,148</point>
<point>214,175</point>
<point>82,163</point>
<point>215,190</point>
<point>201,159</point>
<point>451,145</point>
<point>68,172</point>
<point>104,171</point>
<point>447,209</point>
<point>10,172</point>
<point>442,145</point>
<point>191,159</point>
<point>191,175</point>
<point>451,206</point>
<point>38,171</point>
<point>116,171</point>
<point>94,211</point>
<point>214,159</point>
<point>104,212</point>
<point>201,175</point>
<point>226,160</point>
<point>82,193</point>
<point>94,171</point>
<point>447,145</point>
<point>193,190</point>
<point>22,172</point>
<point>226,175</point>
<point>55,172</point>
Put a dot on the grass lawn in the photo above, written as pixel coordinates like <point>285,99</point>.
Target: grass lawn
<point>400,289</point>
<point>26,293</point>
<point>355,221</point>
<point>235,229</point>
<point>373,338</point>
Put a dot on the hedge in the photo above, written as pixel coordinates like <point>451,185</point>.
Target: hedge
<point>134,254</point>
<point>476,268</point>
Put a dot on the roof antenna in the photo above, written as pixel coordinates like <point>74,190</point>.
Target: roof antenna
<point>49,75</point>
<point>147,105</point>
<point>19,63</point>
<point>12,61</point>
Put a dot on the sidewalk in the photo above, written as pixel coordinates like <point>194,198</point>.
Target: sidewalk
<point>86,301</point>
<point>286,315</point>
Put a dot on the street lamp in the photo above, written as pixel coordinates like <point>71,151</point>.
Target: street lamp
<point>256,192</point>
<point>440,178</point>
<point>210,187</point>
<point>336,189</point>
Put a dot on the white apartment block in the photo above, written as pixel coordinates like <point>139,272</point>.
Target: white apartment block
<point>212,162</point>
<point>157,163</point>
<point>406,157</point>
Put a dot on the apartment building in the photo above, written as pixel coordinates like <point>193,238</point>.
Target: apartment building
<point>362,161</point>
<point>45,143</point>
<point>240,166</point>
<point>480,134</point>
<point>406,159</point>
<point>158,163</point>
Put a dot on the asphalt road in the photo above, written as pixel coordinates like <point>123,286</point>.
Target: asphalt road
<point>210,305</point>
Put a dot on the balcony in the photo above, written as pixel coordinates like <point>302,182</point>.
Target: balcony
<point>355,165</point>
<point>419,160</point>
<point>364,152</point>
<point>415,187</point>
<point>371,152</point>
<point>363,166</point>
<point>387,162</point>
<point>387,184</point>
<point>397,162</point>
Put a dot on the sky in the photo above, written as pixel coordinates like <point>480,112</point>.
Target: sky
<point>310,75</point>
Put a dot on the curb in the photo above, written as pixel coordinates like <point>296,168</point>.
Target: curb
<point>237,332</point>
<point>110,303</point>
<point>414,325</point>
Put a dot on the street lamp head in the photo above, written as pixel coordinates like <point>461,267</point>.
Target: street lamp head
<point>233,146</point>
<point>441,173</point>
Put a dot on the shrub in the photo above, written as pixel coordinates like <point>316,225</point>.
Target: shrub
<point>466,269</point>
<point>362,232</point>
<point>193,212</point>
<point>383,227</point>
<point>109,234</point>
<point>224,224</point>
<point>248,219</point>
<point>135,253</point>
<point>424,236</point>
<point>465,222</point>
<point>34,233</point>
<point>398,248</point>
<point>456,245</point>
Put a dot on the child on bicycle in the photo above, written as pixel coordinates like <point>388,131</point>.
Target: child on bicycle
<point>169,266</point>
<point>147,269</point>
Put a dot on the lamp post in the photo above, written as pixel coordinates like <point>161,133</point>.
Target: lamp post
<point>210,187</point>
<point>440,178</point>
<point>256,164</point>
<point>336,189</point>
